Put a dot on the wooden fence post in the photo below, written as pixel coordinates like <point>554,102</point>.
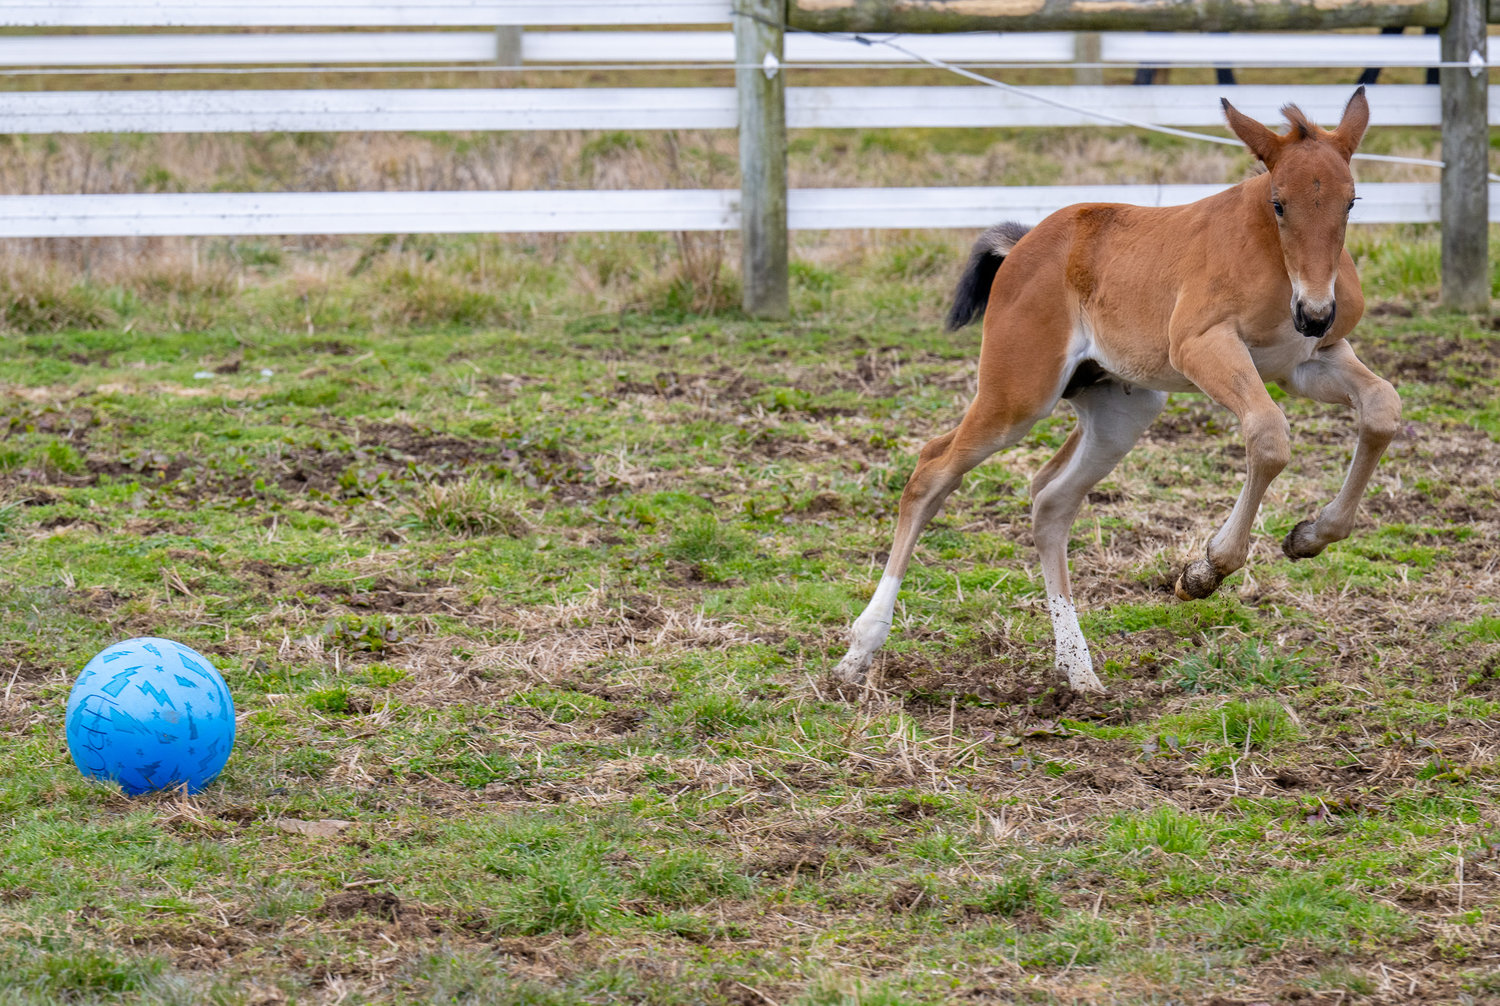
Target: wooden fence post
<point>1088,47</point>
<point>508,45</point>
<point>1466,152</point>
<point>761,82</point>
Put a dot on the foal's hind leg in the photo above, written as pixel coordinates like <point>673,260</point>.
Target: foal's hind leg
<point>987,426</point>
<point>1021,365</point>
<point>941,465</point>
<point>1335,375</point>
<point>1111,417</point>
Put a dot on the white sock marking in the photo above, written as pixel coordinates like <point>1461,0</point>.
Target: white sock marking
<point>1072,649</point>
<point>874,624</point>
<point>870,629</point>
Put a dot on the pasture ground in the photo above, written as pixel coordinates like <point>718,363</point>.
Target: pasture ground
<point>541,599</point>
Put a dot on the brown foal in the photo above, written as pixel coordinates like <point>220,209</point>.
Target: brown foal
<point>1114,306</point>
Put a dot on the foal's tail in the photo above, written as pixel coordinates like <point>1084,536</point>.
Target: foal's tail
<point>974,286</point>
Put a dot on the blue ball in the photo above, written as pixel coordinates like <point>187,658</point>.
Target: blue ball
<point>150,714</point>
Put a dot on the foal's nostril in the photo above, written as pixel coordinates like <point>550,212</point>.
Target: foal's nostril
<point>1311,324</point>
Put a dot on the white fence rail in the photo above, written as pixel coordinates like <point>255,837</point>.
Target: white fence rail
<point>450,109</point>
<point>353,13</point>
<point>239,50</point>
<point>1167,48</point>
<point>708,47</point>
<point>244,213</point>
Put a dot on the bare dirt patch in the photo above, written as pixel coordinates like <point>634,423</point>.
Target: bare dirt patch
<point>1457,363</point>
<point>725,385</point>
<point>71,423</point>
<point>386,595</point>
<point>388,915</point>
<point>985,689</point>
<point>375,455</point>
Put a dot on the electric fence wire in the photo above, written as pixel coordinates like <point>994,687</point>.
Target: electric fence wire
<point>1095,113</point>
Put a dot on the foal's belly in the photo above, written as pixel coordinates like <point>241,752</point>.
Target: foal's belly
<point>1132,362</point>
<point>1137,361</point>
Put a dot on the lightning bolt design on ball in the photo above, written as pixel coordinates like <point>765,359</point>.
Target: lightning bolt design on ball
<point>161,697</point>
<point>117,683</point>
<point>122,722</point>
<point>190,664</point>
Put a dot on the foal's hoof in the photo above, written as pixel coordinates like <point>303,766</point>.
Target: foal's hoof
<point>852,668</point>
<point>1302,542</point>
<point>1197,580</point>
<point>1086,681</point>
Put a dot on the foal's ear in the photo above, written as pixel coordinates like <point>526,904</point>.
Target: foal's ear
<point>1352,126</point>
<point>1263,143</point>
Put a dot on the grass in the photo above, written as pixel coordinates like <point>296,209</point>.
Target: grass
<point>1165,828</point>
<point>1311,911</point>
<point>1247,665</point>
<point>1014,895</point>
<point>473,506</point>
<point>529,557</point>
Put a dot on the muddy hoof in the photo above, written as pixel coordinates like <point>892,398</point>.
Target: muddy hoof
<point>851,670</point>
<point>1302,542</point>
<point>1088,683</point>
<point>1197,580</point>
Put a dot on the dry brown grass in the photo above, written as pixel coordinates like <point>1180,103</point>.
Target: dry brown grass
<point>541,645</point>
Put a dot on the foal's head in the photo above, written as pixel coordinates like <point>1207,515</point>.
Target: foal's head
<point>1312,192</point>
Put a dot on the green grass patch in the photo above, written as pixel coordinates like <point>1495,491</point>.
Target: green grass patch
<point>1165,828</point>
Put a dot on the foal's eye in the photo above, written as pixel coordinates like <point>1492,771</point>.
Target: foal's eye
<point>1276,205</point>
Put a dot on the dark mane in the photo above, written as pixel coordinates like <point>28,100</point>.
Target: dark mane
<point>1300,125</point>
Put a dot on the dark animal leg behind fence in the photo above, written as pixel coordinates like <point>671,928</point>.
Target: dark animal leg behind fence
<point>1371,74</point>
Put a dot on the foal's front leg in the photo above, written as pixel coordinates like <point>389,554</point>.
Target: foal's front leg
<point>1336,376</point>
<point>1218,363</point>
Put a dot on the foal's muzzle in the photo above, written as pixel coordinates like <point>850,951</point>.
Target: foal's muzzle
<point>1310,324</point>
